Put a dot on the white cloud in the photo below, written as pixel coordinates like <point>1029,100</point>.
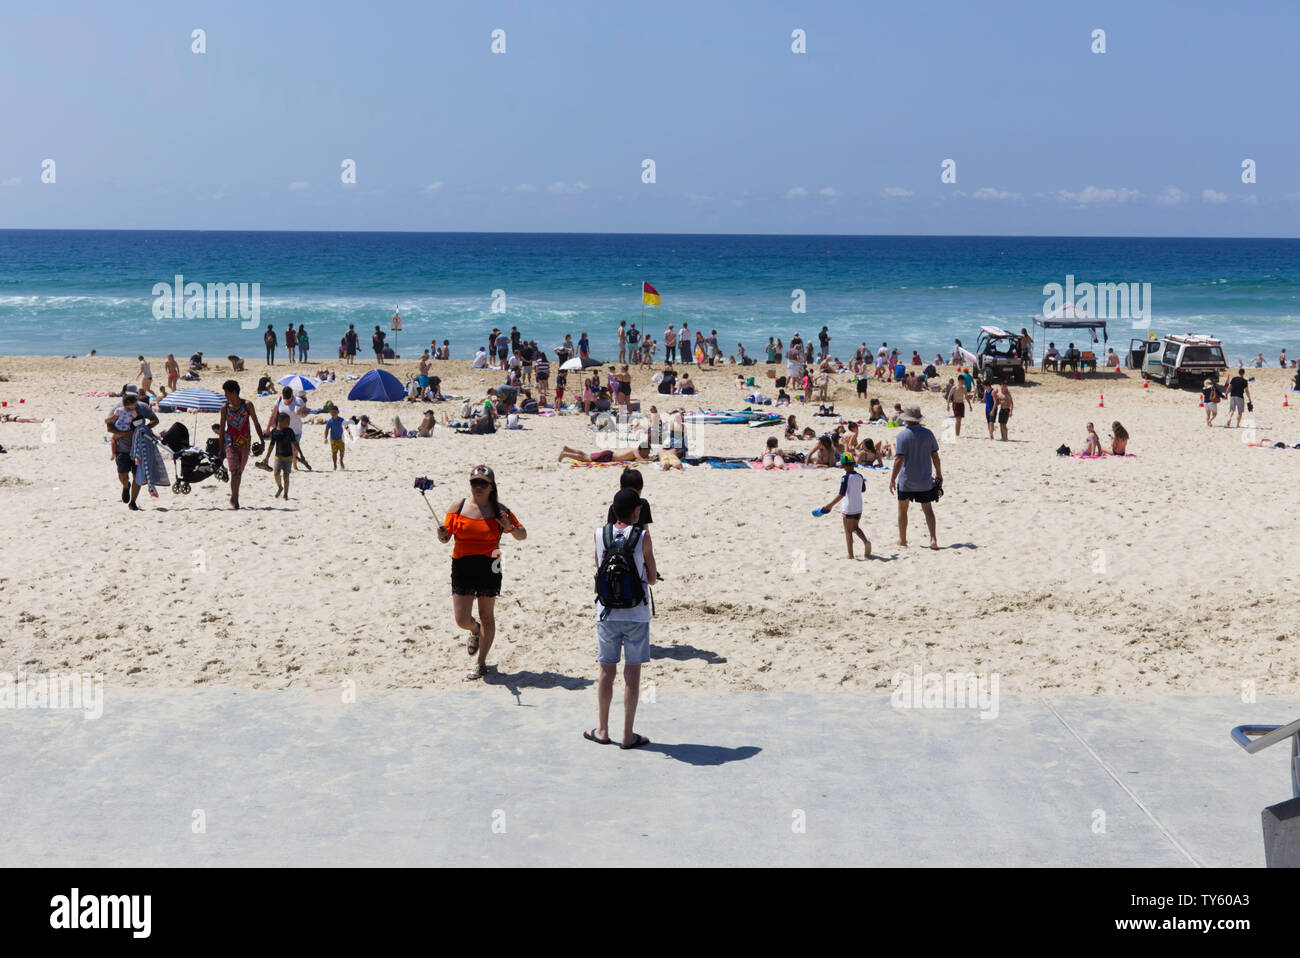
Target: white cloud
<point>1213,196</point>
<point>1250,199</point>
<point>433,187</point>
<point>300,185</point>
<point>1172,196</point>
<point>699,198</point>
<point>989,193</point>
<point>829,192</point>
<point>559,187</point>
<point>1096,194</point>
<point>797,193</point>
<point>12,181</point>
<point>896,191</point>
<point>525,188</point>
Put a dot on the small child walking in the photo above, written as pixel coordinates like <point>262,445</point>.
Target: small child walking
<point>285,446</point>
<point>851,486</point>
<point>334,436</point>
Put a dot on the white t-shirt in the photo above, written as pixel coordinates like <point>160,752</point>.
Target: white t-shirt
<point>294,408</point>
<point>144,368</point>
<point>851,486</point>
<point>639,613</point>
<point>480,359</point>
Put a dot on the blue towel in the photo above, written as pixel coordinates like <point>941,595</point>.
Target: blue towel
<point>150,469</point>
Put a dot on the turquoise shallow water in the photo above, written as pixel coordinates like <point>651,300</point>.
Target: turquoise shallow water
<point>66,292</point>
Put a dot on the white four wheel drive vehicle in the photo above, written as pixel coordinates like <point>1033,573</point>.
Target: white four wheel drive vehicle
<point>1174,359</point>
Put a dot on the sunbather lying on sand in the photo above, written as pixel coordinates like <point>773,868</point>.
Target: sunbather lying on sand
<point>773,457</point>
<point>640,454</point>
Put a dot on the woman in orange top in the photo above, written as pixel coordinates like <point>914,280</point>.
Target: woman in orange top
<point>477,524</point>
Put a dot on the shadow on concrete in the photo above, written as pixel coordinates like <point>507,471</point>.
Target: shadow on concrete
<point>680,652</point>
<point>703,754</point>
<point>537,680</point>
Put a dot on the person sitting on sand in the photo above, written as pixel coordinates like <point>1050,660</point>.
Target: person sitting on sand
<point>196,361</point>
<point>872,453</point>
<point>399,430</point>
<point>425,429</point>
<point>876,412</point>
<point>1112,361</point>
<point>822,453</point>
<point>640,454</point>
<point>1118,439</point>
<point>1092,443</point>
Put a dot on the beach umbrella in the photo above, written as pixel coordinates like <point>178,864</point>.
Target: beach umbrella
<point>194,399</point>
<point>299,384</point>
<point>572,364</point>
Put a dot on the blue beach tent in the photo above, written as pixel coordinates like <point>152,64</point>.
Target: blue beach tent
<point>378,386</point>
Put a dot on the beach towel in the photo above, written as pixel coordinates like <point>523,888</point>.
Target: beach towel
<point>724,464</point>
<point>1127,455</point>
<point>755,464</point>
<point>150,469</point>
<point>596,465</point>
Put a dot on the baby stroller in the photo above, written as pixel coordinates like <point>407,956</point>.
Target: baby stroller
<point>193,464</point>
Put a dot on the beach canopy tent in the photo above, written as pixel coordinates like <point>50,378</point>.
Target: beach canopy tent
<point>378,385</point>
<point>192,399</point>
<point>1067,318</point>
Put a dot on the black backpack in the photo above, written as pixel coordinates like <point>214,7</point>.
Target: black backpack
<point>618,581</point>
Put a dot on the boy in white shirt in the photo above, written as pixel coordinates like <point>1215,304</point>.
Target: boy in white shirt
<point>851,486</point>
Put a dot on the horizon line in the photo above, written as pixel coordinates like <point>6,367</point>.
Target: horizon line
<point>398,232</point>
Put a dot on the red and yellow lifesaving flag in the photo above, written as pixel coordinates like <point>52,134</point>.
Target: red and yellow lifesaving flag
<point>649,295</point>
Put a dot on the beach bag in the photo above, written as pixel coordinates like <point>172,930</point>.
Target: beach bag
<point>618,582</point>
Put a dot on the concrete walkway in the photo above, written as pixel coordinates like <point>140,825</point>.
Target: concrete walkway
<point>491,777</point>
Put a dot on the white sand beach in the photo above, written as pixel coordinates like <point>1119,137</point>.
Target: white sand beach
<point>1171,571</point>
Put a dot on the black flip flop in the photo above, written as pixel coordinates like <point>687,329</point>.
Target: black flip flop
<point>640,740</point>
<point>599,741</point>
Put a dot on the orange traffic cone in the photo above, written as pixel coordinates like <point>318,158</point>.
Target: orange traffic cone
<point>1285,401</point>
<point>1101,400</point>
<point>1145,383</point>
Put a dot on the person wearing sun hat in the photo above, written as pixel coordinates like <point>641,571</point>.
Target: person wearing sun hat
<point>915,452</point>
<point>477,523</point>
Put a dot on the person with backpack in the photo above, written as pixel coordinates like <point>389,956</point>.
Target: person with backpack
<point>377,341</point>
<point>269,338</point>
<point>625,571</point>
<point>477,524</point>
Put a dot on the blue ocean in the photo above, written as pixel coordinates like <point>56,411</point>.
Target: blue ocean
<point>67,292</point>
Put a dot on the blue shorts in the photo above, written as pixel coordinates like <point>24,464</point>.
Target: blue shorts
<point>613,637</point>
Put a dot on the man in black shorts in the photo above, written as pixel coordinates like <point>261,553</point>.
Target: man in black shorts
<point>915,451</point>
<point>1238,396</point>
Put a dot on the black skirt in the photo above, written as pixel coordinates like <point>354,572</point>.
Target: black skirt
<point>476,575</point>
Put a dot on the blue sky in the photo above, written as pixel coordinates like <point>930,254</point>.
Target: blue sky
<point>1048,137</point>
